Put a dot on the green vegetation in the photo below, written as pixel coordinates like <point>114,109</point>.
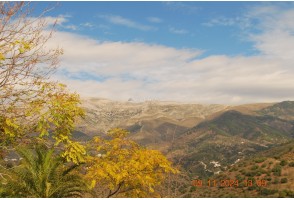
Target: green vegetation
<point>42,175</point>
<point>284,180</point>
<point>261,179</point>
<point>277,170</point>
<point>254,167</point>
<point>283,110</point>
<point>283,163</point>
<point>259,160</point>
<point>276,181</point>
<point>37,121</point>
<point>37,124</point>
<point>266,192</point>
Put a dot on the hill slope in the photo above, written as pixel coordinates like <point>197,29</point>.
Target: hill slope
<point>271,173</point>
<point>212,145</point>
<point>283,110</point>
<point>203,139</point>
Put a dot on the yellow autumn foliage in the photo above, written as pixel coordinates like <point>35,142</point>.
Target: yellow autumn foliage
<point>126,168</point>
<point>53,113</point>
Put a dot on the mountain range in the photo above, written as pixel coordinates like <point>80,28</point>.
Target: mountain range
<point>203,140</point>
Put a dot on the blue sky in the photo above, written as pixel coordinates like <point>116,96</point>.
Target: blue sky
<point>211,52</point>
<point>176,24</point>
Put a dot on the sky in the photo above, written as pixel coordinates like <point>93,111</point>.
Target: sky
<point>200,52</point>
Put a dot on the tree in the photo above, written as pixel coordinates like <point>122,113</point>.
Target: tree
<point>54,115</point>
<point>123,168</point>
<point>30,104</point>
<point>25,62</point>
<point>42,174</point>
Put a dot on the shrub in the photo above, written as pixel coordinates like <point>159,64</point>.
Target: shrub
<point>282,194</point>
<point>241,165</point>
<point>291,164</point>
<point>286,193</point>
<point>192,189</point>
<point>240,178</point>
<point>276,181</point>
<point>290,193</point>
<point>254,187</point>
<point>259,173</point>
<point>265,191</point>
<point>250,174</point>
<point>284,180</point>
<point>276,157</point>
<point>254,167</point>
<point>283,163</point>
<point>277,170</point>
<point>259,160</point>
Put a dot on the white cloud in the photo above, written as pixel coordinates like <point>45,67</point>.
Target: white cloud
<point>178,31</point>
<point>221,21</point>
<point>154,19</point>
<point>118,20</point>
<point>145,71</point>
<point>61,21</point>
<point>70,27</point>
<point>183,7</point>
<point>241,22</point>
<point>88,25</point>
<point>276,27</point>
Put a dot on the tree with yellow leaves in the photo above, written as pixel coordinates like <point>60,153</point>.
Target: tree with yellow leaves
<point>120,167</point>
<point>25,61</point>
<point>31,106</point>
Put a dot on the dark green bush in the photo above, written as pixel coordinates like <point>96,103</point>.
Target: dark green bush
<point>192,189</point>
<point>259,160</point>
<point>243,171</point>
<point>254,167</point>
<point>283,163</point>
<point>240,178</point>
<point>258,173</point>
<point>265,191</point>
<point>286,193</point>
<point>284,180</point>
<point>276,181</point>
<point>282,194</point>
<point>277,170</point>
<point>251,173</point>
<point>254,187</point>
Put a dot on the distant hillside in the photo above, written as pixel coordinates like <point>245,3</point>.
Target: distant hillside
<point>271,172</point>
<point>157,134</point>
<point>203,139</point>
<point>258,128</point>
<point>212,145</point>
<point>283,110</point>
<point>103,114</point>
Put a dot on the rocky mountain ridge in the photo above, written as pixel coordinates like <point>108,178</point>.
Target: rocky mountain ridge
<point>203,139</point>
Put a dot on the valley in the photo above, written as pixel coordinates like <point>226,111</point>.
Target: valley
<point>202,140</point>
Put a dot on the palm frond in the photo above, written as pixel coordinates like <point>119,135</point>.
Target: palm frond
<point>43,174</point>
